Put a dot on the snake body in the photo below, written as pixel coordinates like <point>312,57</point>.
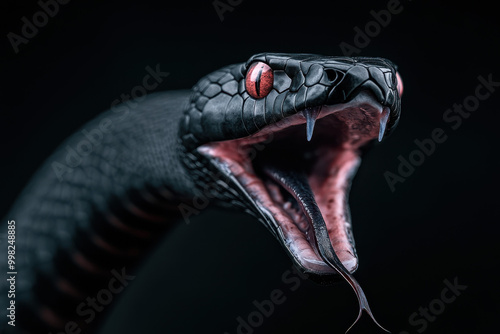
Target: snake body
<point>77,227</point>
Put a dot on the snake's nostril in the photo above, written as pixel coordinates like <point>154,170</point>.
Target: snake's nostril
<point>331,74</point>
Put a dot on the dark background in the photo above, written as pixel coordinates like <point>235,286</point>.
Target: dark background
<point>441,223</point>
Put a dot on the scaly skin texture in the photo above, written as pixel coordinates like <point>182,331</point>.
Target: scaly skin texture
<point>74,226</point>
<point>63,223</point>
<point>221,108</point>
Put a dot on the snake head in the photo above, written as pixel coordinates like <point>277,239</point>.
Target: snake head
<point>304,112</point>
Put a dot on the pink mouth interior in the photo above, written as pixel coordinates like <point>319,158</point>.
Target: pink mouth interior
<point>330,160</point>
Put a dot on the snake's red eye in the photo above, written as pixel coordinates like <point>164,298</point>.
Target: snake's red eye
<point>259,80</point>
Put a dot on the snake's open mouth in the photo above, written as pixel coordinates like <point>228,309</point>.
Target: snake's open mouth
<point>323,142</point>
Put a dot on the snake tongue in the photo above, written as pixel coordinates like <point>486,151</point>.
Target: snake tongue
<point>296,183</point>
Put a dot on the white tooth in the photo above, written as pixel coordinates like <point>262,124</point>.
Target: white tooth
<point>383,122</point>
<point>311,114</point>
<point>287,205</point>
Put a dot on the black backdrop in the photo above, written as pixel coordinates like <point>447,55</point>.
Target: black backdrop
<point>439,224</point>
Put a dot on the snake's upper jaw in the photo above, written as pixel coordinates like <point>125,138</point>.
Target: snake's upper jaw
<point>329,159</point>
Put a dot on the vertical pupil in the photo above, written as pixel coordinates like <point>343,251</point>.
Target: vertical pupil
<point>257,80</point>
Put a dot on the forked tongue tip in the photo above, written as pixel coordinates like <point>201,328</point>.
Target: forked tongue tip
<point>360,295</point>
<point>365,308</point>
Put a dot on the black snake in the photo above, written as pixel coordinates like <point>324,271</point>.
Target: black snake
<point>279,137</point>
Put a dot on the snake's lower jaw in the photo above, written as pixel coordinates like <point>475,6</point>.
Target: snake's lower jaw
<point>330,182</point>
<point>329,159</point>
